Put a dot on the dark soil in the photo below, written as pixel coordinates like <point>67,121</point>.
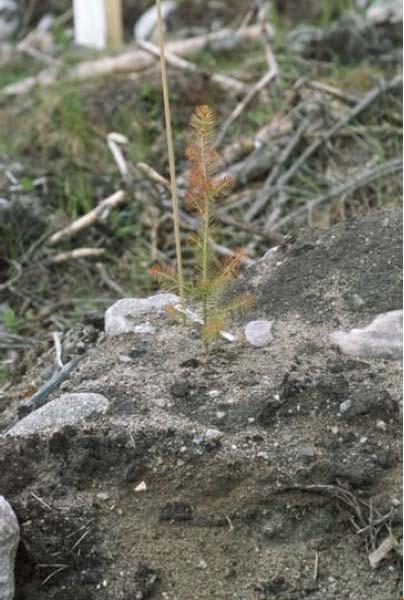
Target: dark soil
<point>227,517</point>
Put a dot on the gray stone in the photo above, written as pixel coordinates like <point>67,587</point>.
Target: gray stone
<point>68,409</point>
<point>212,436</point>
<point>9,538</point>
<point>383,338</point>
<point>127,315</point>
<point>258,333</point>
<point>345,406</point>
<point>308,453</point>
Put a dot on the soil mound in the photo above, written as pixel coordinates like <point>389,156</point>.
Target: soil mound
<point>246,473</point>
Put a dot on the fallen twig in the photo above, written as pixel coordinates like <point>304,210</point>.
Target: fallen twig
<point>101,211</point>
<point>114,141</point>
<point>75,254</point>
<point>110,283</point>
<point>269,76</point>
<point>58,348</point>
<point>224,81</point>
<point>366,177</point>
<point>134,60</point>
<point>263,195</point>
<point>364,103</point>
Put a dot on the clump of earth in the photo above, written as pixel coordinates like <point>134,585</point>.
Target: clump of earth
<point>232,474</point>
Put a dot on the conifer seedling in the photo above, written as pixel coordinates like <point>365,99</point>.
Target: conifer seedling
<point>206,285</point>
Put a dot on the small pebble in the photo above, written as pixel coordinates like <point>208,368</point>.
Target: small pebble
<point>220,415</point>
<point>160,402</point>
<point>345,406</point>
<point>381,425</point>
<point>363,440</point>
<point>308,453</point>
<point>213,435</point>
<point>334,430</point>
<point>103,496</point>
<point>123,358</point>
<point>202,565</point>
<point>263,455</point>
<point>142,487</point>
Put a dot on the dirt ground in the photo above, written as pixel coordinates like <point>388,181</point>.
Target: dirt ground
<point>242,514</point>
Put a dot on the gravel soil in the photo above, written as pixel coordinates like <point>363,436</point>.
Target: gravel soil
<point>233,474</point>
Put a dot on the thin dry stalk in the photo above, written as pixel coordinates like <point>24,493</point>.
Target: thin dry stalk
<point>171,158</point>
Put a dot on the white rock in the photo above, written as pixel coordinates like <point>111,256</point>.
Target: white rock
<point>381,425</point>
<point>147,24</point>
<point>68,409</point>
<point>383,338</point>
<point>142,487</point>
<point>345,406</point>
<point>9,538</point>
<point>124,315</point>
<point>212,436</point>
<point>258,333</point>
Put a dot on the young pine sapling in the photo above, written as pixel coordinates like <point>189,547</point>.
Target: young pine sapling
<point>210,276</point>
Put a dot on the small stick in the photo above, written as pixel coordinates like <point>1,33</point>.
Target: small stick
<point>85,534</point>
<point>315,572</point>
<point>58,348</point>
<point>363,103</point>
<point>99,212</point>
<point>114,141</point>
<point>108,281</point>
<point>366,177</point>
<point>41,501</point>
<point>171,158</point>
<point>269,76</point>
<point>224,81</point>
<point>263,195</point>
<point>333,91</point>
<point>153,175</point>
<point>49,577</point>
<point>77,253</point>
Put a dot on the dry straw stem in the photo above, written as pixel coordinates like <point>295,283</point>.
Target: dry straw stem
<point>171,159</point>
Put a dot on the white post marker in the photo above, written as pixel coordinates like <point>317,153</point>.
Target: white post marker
<point>98,23</point>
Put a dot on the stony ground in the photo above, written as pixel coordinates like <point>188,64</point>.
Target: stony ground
<point>230,475</point>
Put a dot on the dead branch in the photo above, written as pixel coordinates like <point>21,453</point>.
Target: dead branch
<point>153,175</point>
<point>367,176</point>
<point>110,283</point>
<point>134,60</point>
<point>99,212</point>
<point>228,84</point>
<point>262,197</point>
<point>364,103</point>
<point>332,91</point>
<point>77,253</point>
<point>269,76</point>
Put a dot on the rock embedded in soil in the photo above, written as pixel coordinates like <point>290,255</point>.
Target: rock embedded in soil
<point>383,338</point>
<point>68,409</point>
<point>258,333</point>
<point>9,538</point>
<point>126,316</point>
